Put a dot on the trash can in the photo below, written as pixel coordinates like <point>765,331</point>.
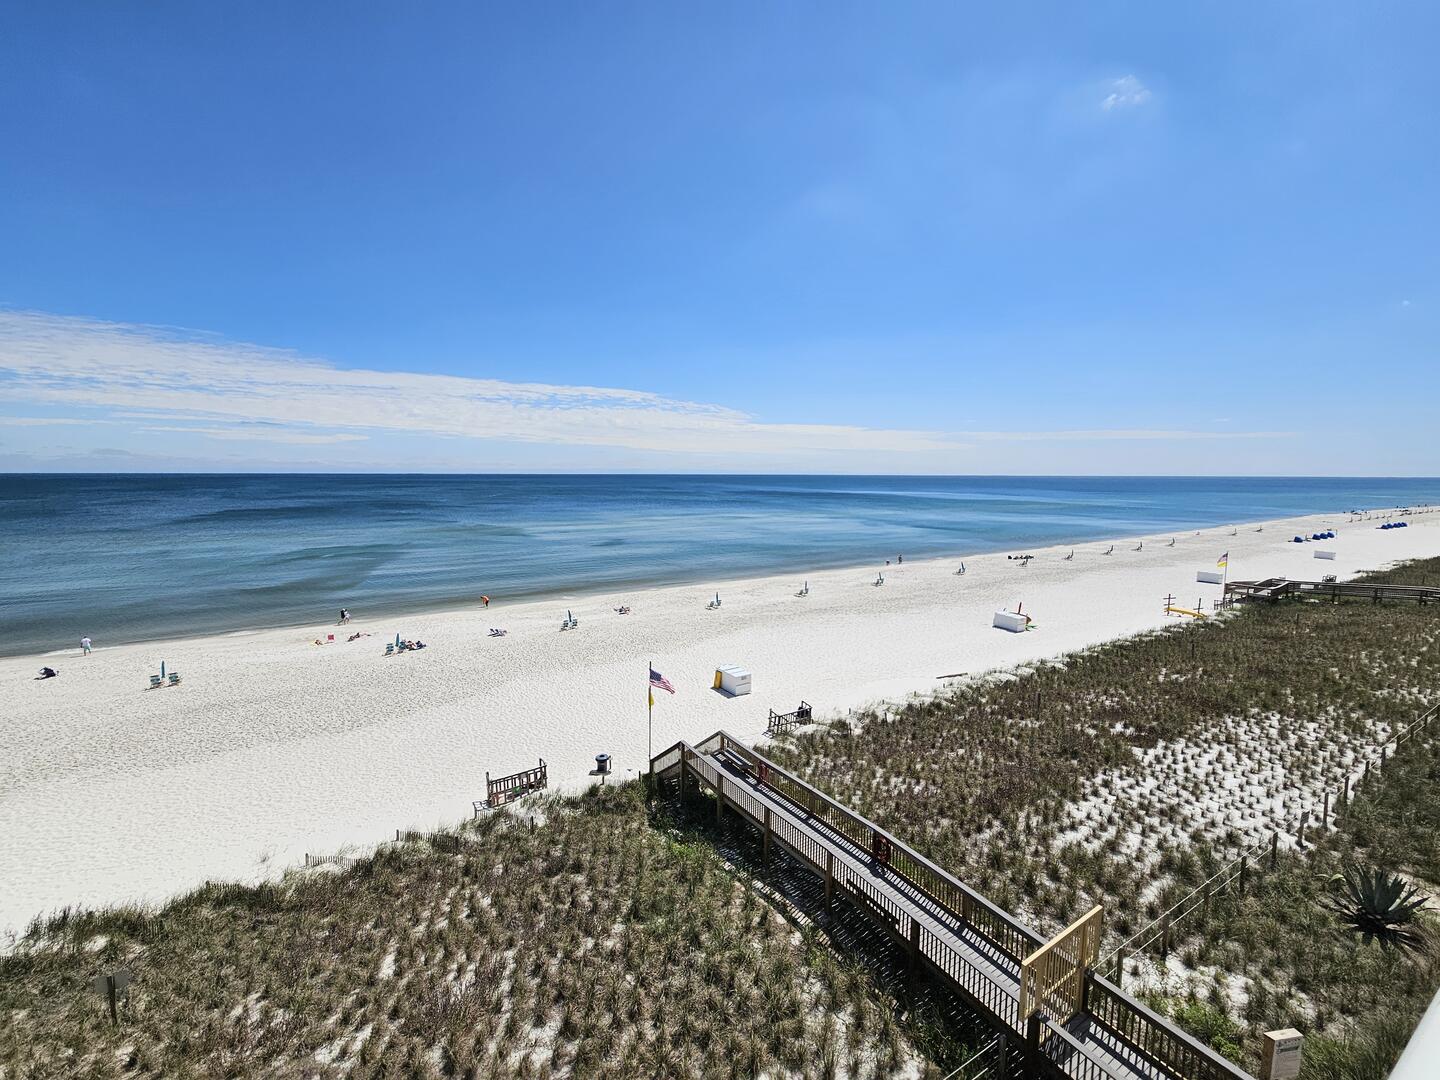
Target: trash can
<point>602,764</point>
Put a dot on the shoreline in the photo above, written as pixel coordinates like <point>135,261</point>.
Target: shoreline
<point>272,747</point>
<point>585,591</point>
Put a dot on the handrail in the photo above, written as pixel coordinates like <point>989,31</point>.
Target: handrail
<point>1154,1037</point>
<point>1093,1068</point>
<point>1133,1026</point>
<point>969,898</point>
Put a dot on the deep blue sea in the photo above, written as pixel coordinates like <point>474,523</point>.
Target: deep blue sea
<point>126,558</point>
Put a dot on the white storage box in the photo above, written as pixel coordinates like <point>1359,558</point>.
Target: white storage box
<point>732,680</point>
<point>1324,554</point>
<point>1209,577</point>
<point>1010,620</point>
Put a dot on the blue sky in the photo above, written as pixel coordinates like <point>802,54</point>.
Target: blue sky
<point>1091,238</point>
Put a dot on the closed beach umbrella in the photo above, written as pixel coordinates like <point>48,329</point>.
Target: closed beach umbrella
<point>162,669</point>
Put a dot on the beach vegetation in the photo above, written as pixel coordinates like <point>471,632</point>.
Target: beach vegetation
<point>1133,773</point>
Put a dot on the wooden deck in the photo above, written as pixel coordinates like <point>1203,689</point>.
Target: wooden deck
<point>948,931</point>
<point>1274,589</point>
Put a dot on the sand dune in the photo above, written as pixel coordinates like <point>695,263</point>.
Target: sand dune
<point>273,747</point>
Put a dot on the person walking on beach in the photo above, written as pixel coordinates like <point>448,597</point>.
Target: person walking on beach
<point>85,646</point>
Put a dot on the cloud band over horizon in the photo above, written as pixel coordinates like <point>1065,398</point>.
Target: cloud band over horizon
<point>141,382</point>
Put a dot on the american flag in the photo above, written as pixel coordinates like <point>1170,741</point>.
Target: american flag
<point>660,682</point>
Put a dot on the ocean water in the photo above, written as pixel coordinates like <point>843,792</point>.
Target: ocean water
<point>128,558</point>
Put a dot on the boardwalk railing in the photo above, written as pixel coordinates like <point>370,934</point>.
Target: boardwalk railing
<point>504,788</point>
<point>1278,588</point>
<point>1153,1037</point>
<point>1052,979</point>
<point>947,928</point>
<point>1003,930</point>
<point>782,722</point>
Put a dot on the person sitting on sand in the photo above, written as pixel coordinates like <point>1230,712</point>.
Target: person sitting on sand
<point>47,673</point>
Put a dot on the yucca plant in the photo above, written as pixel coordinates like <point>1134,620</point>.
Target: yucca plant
<point>1379,905</point>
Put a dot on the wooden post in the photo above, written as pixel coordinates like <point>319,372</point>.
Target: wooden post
<point>719,801</point>
<point>1300,834</point>
<point>1383,751</point>
<point>914,947</point>
<point>1165,936</point>
<point>1032,1041</point>
<point>1325,813</point>
<point>1208,890</point>
<point>1345,791</point>
<point>1244,872</point>
<point>765,854</point>
<point>829,879</point>
<point>1120,968</point>
<point>1274,850</point>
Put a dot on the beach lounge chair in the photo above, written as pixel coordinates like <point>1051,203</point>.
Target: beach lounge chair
<point>174,678</point>
<point>156,682</point>
<point>389,648</point>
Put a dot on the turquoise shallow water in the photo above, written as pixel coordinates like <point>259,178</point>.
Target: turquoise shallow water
<point>125,558</point>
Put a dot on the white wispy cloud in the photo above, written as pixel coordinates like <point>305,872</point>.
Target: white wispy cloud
<point>39,421</point>
<point>52,362</point>
<point>263,434</point>
<point>149,383</point>
<point>1126,92</point>
<point>1112,434</point>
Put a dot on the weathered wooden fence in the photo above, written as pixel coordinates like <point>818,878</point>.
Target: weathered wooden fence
<point>505,788</point>
<point>781,722</point>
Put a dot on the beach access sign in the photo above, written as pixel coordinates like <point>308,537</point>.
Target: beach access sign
<point>1280,1054</point>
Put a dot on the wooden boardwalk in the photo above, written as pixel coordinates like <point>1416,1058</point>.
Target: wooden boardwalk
<point>1274,589</point>
<point>1081,1027</point>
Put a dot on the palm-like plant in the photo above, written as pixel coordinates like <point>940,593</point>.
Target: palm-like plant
<point>1379,905</point>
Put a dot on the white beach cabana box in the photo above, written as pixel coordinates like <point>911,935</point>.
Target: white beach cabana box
<point>1323,554</point>
<point>732,680</point>
<point>1010,620</point>
<point>1209,577</point>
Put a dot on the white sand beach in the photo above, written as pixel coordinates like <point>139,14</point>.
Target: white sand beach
<point>272,747</point>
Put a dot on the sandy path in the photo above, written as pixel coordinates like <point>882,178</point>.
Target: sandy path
<point>272,747</point>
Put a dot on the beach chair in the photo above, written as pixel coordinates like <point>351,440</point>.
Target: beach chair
<point>174,678</point>
<point>329,637</point>
<point>156,682</point>
<point>389,648</point>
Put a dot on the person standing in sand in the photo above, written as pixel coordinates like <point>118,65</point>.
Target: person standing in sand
<point>85,646</point>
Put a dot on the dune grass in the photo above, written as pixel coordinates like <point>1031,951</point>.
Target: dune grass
<point>1126,774</point>
<point>611,939</point>
<point>594,945</point>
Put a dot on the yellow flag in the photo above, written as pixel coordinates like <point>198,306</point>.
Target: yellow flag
<point>652,699</point>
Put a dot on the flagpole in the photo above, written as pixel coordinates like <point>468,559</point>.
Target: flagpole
<point>649,716</point>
